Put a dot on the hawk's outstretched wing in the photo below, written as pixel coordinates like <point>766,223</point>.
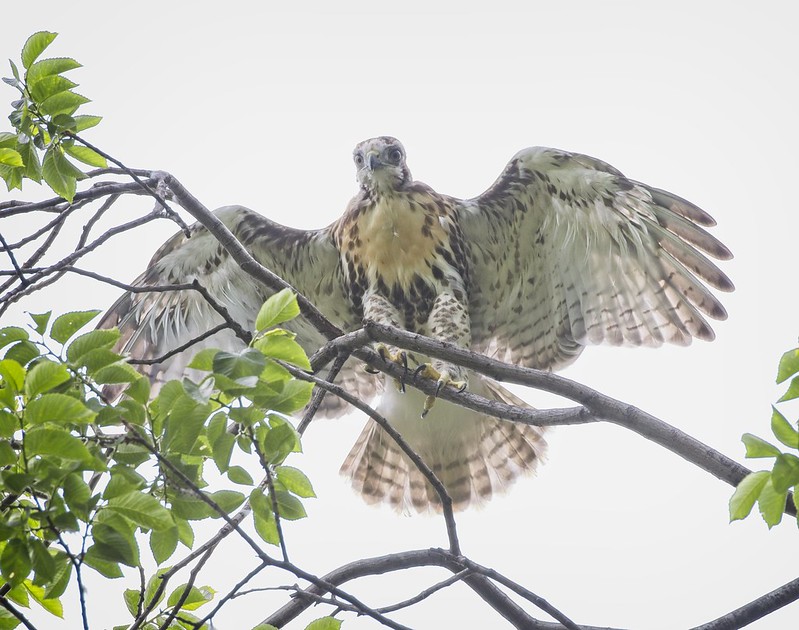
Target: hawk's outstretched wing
<point>154,323</point>
<point>565,252</point>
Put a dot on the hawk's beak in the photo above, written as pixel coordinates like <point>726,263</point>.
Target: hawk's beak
<point>374,162</point>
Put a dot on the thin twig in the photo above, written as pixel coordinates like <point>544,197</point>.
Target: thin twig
<point>319,394</point>
<point>452,579</point>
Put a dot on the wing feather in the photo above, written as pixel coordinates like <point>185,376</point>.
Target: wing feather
<point>154,323</point>
<point>566,252</point>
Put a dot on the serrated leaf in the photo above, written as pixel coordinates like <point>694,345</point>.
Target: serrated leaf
<point>249,362</point>
<point>53,606</point>
<point>747,492</point>
<point>195,598</point>
<point>12,375</point>
<point>11,334</point>
<point>132,599</point>
<point>84,122</point>
<point>95,557</point>
<point>77,495</point>
<point>58,408</point>
<point>185,533</point>
<point>163,543</point>
<point>264,517</point>
<point>152,587</point>
<point>33,168</point>
<point>789,365</point>
<point>295,481</point>
<point>139,390</point>
<point>785,472</point>
<point>228,500</point>
<point>68,324</point>
<point>44,376</point>
<point>115,373</point>
<point>23,352</point>
<point>8,456</point>
<point>100,338</point>
<point>41,320</point>
<point>236,474</point>
<point>50,440</point>
<point>59,174</point>
<point>142,509</point>
<point>49,86</point>
<point>793,390</point>
<point>62,103</point>
<point>771,504</point>
<point>289,506</point>
<point>43,562</point>
<point>758,447</point>
<point>184,425</point>
<point>325,623</point>
<point>204,360</point>
<point>63,573</point>
<point>10,157</point>
<point>284,348</point>
<point>279,308</point>
<point>278,442</point>
<point>15,561</point>
<point>115,543</point>
<point>87,156</point>
<point>286,397</point>
<point>783,430</point>
<point>35,46</point>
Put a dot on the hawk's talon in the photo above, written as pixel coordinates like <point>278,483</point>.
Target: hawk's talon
<point>443,379</point>
<point>400,357</point>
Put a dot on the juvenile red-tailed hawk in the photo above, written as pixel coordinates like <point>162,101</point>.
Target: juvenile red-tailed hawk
<point>561,252</point>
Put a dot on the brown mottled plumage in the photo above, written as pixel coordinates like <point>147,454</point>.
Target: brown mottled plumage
<point>561,252</point>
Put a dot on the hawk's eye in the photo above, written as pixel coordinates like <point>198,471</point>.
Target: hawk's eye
<point>395,155</point>
<point>359,159</point>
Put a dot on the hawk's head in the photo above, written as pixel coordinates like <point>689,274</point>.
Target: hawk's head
<point>381,164</point>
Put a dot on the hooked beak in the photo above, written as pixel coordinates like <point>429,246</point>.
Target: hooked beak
<point>374,162</point>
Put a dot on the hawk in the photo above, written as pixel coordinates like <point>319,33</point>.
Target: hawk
<point>561,252</point>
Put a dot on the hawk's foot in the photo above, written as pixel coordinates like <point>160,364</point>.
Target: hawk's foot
<point>443,379</point>
<point>400,357</point>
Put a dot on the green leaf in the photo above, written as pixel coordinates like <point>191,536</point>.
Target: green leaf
<point>41,320</point>
<point>789,365</point>
<point>8,424</point>
<point>53,606</point>
<point>35,46</point>
<point>793,390</point>
<point>282,346</point>
<point>783,430</point>
<point>8,455</point>
<point>279,308</point>
<point>11,334</point>
<point>325,623</point>
<point>236,474</point>
<point>84,122</point>
<point>58,408</point>
<point>771,504</point>
<point>248,363</point>
<point>59,174</point>
<point>286,397</point>
<point>51,440</point>
<point>265,626</point>
<point>289,506</point>
<point>33,167</point>
<point>49,86</point>
<point>44,376</point>
<point>264,517</point>
<point>143,509</point>
<point>785,472</point>
<point>62,103</point>
<point>185,422</point>
<point>68,324</point>
<point>152,587</point>
<point>195,598</point>
<point>77,495</point>
<point>93,340</point>
<point>294,480</point>
<point>163,543</point>
<point>63,573</point>
<point>10,157</point>
<point>228,500</point>
<point>278,442</point>
<point>13,374</point>
<point>114,545</point>
<point>120,372</point>
<point>185,532</point>
<point>95,557</point>
<point>23,352</point>
<point>757,447</point>
<point>747,492</point>
<point>204,359</point>
<point>43,562</point>
<point>15,561</point>
<point>87,156</point>
<point>132,599</point>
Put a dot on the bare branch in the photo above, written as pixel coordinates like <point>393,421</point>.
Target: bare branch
<point>757,609</point>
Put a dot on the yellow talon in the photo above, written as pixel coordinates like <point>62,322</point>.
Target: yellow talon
<point>400,357</point>
<point>443,379</point>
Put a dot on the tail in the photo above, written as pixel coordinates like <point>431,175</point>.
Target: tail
<point>474,455</point>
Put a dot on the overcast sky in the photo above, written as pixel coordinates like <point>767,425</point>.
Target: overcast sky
<point>260,106</point>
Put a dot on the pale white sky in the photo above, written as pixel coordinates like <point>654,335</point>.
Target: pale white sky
<point>262,106</point>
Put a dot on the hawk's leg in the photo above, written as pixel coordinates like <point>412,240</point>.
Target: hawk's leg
<point>378,309</point>
<point>448,321</point>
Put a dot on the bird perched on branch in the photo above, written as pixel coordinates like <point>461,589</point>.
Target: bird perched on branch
<point>561,252</point>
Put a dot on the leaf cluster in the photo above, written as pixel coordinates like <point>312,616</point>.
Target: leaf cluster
<point>769,489</point>
<point>74,466</point>
<point>45,122</point>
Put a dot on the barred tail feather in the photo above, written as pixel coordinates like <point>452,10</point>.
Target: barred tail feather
<point>474,455</point>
